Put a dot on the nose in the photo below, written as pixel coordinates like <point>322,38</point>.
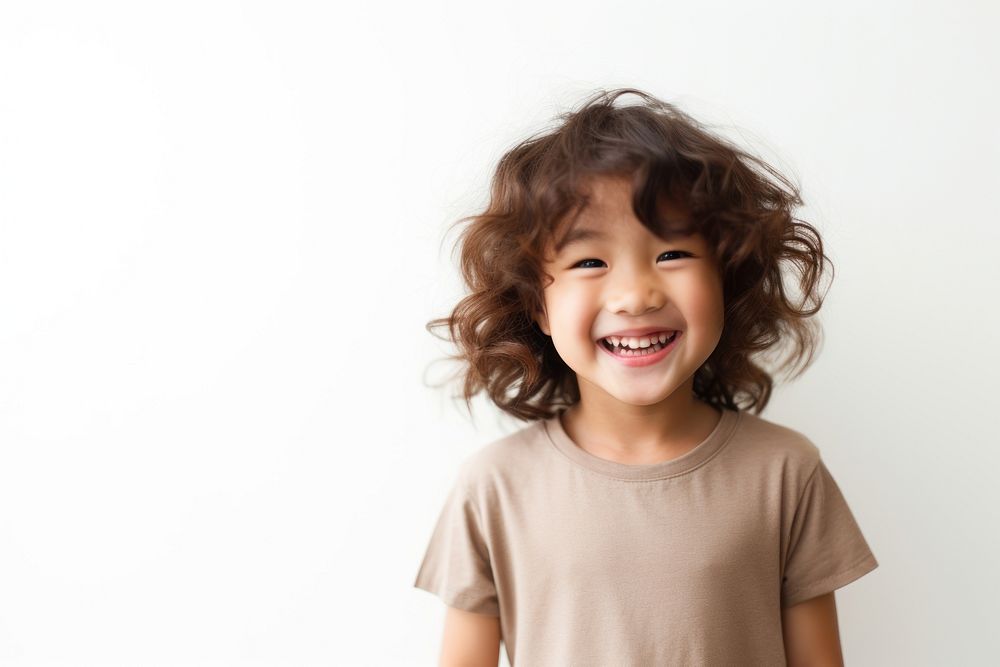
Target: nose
<point>636,291</point>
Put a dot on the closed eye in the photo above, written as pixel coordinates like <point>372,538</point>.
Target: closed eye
<point>682,254</point>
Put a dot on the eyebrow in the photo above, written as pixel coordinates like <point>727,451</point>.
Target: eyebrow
<point>579,235</point>
<point>582,234</point>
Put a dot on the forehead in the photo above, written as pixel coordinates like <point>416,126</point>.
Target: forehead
<point>606,208</point>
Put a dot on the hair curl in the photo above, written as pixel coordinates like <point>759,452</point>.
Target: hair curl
<point>741,205</point>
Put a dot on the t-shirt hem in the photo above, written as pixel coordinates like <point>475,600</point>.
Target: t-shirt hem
<point>465,601</point>
<point>831,583</point>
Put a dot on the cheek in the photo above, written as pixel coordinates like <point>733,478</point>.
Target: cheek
<point>570,305</point>
<point>571,316</point>
<point>705,301</point>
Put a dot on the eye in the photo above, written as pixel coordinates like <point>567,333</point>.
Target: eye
<point>584,261</point>
<point>682,254</point>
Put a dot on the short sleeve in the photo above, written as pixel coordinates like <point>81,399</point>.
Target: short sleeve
<point>456,565</point>
<point>826,549</point>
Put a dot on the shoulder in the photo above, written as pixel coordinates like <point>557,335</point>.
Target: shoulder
<point>777,445</point>
<point>505,459</point>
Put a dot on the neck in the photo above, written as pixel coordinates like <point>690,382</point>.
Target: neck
<point>640,434</point>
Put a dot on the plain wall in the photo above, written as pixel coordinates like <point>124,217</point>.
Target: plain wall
<point>222,231</point>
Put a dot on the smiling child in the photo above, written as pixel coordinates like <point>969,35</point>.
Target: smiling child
<point>625,281</point>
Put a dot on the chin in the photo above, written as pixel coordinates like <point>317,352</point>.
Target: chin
<point>644,399</point>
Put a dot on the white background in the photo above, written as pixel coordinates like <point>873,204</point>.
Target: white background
<point>222,231</point>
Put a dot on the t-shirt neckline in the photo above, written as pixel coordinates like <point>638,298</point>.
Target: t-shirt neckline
<point>701,453</point>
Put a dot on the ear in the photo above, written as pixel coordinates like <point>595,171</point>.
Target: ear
<point>543,323</point>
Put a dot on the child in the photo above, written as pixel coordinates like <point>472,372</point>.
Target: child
<point>624,280</point>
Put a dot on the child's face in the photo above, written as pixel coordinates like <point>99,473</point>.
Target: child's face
<point>631,279</point>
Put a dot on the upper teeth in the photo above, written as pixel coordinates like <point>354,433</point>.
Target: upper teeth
<point>644,341</point>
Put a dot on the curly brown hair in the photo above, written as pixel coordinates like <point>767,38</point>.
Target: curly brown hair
<point>738,202</point>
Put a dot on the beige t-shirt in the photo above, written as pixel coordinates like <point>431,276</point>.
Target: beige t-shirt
<point>689,561</point>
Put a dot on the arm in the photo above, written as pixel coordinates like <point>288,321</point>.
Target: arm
<point>470,640</point>
<point>811,635</point>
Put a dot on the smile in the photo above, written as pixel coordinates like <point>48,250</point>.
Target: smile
<point>641,356</point>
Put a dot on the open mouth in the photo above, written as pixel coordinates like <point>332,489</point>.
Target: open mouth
<point>620,351</point>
